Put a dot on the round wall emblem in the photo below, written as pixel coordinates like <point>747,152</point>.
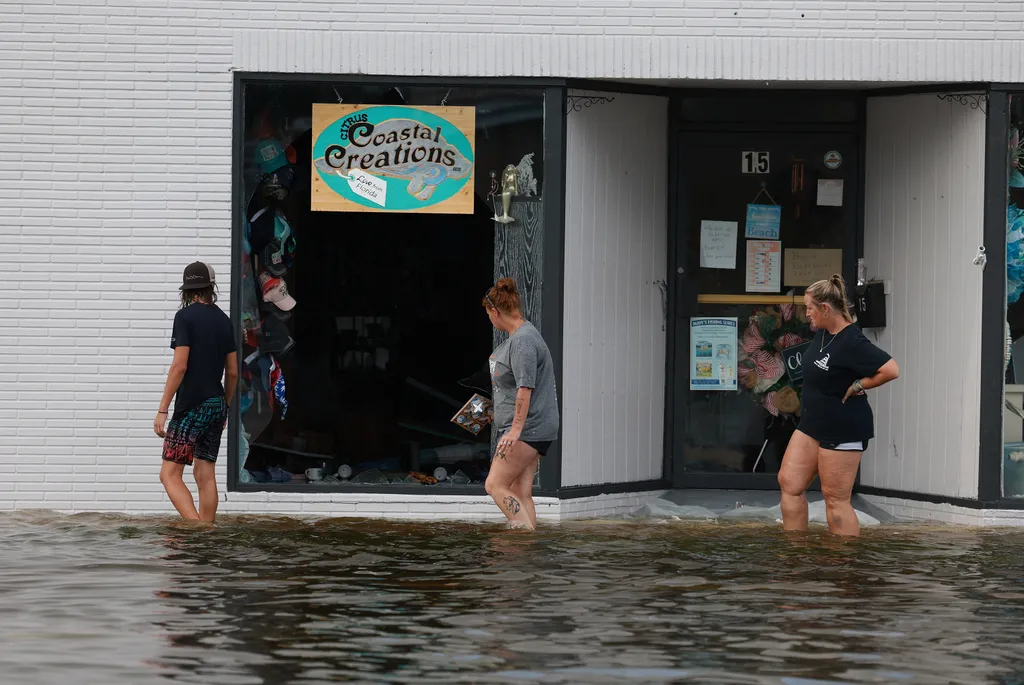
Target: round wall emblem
<point>833,160</point>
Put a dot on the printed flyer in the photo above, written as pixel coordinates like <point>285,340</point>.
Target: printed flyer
<point>713,349</point>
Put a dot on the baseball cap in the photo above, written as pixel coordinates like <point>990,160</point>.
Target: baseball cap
<point>270,155</point>
<point>275,338</point>
<point>197,275</point>
<point>274,258</point>
<point>276,292</point>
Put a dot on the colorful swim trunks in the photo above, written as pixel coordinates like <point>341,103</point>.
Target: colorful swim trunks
<point>196,433</point>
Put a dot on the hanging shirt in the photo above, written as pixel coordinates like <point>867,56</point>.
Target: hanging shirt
<point>831,365</point>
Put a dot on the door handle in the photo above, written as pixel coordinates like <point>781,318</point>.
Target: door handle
<point>663,287</point>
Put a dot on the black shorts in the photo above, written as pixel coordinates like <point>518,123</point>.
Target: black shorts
<point>541,447</point>
<point>855,446</point>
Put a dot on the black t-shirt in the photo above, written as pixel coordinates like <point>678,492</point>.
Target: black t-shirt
<point>207,332</point>
<point>831,365</point>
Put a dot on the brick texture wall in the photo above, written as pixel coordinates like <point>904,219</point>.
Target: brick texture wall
<point>115,127</point>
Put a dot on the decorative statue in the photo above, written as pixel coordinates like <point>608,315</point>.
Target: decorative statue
<point>509,187</point>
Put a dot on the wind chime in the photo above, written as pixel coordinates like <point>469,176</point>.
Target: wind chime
<point>796,185</point>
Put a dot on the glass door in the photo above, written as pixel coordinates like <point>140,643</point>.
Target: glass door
<point>761,216</point>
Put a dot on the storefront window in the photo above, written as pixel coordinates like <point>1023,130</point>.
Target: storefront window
<point>362,273</point>
<point>1013,423</point>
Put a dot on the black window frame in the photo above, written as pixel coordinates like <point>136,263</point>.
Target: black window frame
<point>553,192</point>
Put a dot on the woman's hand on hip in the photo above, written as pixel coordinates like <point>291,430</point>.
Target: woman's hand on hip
<point>852,391</point>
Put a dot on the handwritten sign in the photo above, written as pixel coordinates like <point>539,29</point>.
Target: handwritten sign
<point>369,186</point>
<point>763,221</point>
<point>718,244</point>
<point>804,267</point>
<point>764,266</point>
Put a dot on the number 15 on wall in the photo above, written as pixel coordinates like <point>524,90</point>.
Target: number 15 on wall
<point>756,163</point>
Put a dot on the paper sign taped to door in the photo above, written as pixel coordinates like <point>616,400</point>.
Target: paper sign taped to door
<point>764,270</point>
<point>830,192</point>
<point>718,244</point>
<point>803,267</point>
<point>368,186</point>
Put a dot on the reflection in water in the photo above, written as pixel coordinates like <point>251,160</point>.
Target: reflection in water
<point>116,600</point>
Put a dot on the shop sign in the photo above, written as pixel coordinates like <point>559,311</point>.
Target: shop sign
<point>383,158</point>
<point>793,358</point>
<point>713,347</point>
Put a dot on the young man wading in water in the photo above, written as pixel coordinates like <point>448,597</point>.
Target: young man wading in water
<point>204,350</point>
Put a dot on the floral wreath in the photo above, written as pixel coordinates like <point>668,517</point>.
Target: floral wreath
<point>761,369</point>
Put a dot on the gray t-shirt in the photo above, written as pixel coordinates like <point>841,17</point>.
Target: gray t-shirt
<point>524,361</point>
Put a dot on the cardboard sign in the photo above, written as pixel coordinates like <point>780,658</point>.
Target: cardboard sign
<point>803,267</point>
<point>383,158</point>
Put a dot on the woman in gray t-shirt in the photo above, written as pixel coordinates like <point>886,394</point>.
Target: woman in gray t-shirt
<point>525,405</point>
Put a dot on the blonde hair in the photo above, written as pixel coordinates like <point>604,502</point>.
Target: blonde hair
<point>831,292</point>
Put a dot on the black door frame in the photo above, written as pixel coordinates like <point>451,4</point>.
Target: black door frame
<point>853,249</point>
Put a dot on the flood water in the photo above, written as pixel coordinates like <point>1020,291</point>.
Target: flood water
<point>112,600</point>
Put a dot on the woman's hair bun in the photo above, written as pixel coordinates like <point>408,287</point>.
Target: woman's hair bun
<point>506,285</point>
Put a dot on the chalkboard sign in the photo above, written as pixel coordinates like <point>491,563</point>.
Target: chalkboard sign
<point>793,358</point>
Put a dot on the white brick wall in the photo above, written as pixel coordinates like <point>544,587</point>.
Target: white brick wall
<point>115,148</point>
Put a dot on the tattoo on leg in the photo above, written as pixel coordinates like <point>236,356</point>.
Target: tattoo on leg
<point>511,505</point>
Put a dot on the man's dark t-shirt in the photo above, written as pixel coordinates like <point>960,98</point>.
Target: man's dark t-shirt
<point>207,332</point>
<point>831,365</point>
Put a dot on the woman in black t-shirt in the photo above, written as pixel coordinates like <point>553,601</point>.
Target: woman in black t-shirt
<point>835,420</point>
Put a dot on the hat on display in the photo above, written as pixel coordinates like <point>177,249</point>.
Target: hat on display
<point>198,275</point>
<point>272,259</point>
<point>278,174</point>
<point>276,292</point>
<point>275,249</point>
<point>278,185</point>
<point>275,338</point>
<point>268,310</point>
<point>261,229</point>
<point>270,155</point>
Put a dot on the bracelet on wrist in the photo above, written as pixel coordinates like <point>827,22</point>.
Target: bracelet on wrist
<point>161,412</point>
